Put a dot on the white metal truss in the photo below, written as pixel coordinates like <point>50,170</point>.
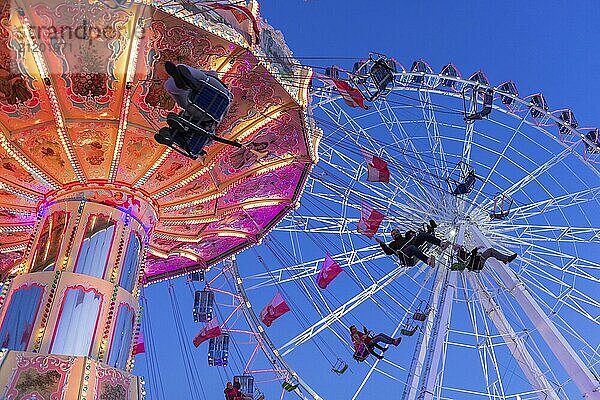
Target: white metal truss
<point>418,129</point>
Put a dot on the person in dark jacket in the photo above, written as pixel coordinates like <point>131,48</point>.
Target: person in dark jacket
<point>361,339</point>
<point>466,186</point>
<point>474,260</point>
<point>406,247</point>
<point>205,101</point>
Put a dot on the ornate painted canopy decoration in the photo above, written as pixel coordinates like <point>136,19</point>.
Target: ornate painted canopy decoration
<point>81,96</point>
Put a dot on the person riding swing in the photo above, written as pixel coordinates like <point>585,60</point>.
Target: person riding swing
<point>204,100</point>
<point>407,247</point>
<point>365,344</point>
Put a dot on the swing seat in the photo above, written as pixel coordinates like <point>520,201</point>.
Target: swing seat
<point>361,353</point>
<point>289,386</point>
<point>476,265</point>
<point>408,261</point>
<point>499,215</point>
<point>457,266</point>
<point>409,332</point>
<point>193,129</point>
<point>488,99</point>
<point>188,136</point>
<point>420,316</point>
<point>341,370</point>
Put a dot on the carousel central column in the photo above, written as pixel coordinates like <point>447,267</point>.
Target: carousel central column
<point>71,315</point>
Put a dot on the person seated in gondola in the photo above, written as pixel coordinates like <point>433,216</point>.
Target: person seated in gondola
<point>204,99</point>
<point>466,186</point>
<point>475,260</point>
<point>406,247</point>
<point>237,392</point>
<point>362,340</point>
<point>230,392</point>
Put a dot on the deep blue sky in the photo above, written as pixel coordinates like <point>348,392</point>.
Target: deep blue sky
<point>543,46</point>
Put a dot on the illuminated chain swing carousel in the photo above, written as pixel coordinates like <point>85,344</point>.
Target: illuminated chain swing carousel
<point>92,207</point>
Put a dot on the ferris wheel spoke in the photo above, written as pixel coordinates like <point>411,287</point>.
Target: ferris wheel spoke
<point>421,166</point>
<point>436,144</point>
<point>556,233</point>
<point>530,210</point>
<point>344,309</point>
<point>569,296</point>
<point>540,170</point>
<point>407,209</point>
<point>406,142</point>
<point>468,141</point>
<point>316,224</point>
<point>308,269</point>
<point>502,155</point>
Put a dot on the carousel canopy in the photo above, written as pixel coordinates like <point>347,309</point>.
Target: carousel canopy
<point>81,95</point>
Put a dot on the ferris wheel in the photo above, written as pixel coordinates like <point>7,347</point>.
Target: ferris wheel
<point>493,169</point>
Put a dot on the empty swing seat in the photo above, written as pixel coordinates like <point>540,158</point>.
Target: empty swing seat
<point>409,331</point>
<point>289,386</point>
<point>501,207</point>
<point>420,316</point>
<point>196,276</point>
<point>422,311</point>
<point>340,367</point>
<point>488,99</point>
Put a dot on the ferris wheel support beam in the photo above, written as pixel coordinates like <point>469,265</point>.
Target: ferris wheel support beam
<point>588,385</point>
<point>444,295</point>
<point>515,344</point>
<point>418,363</point>
<point>438,338</point>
